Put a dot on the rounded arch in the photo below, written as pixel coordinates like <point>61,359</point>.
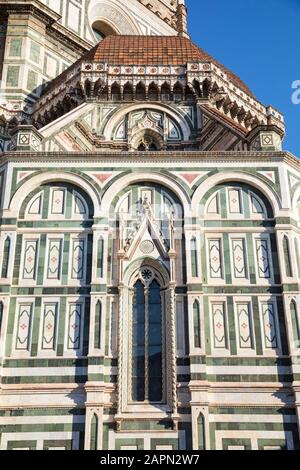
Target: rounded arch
<point>121,113</point>
<point>110,14</point>
<point>234,177</point>
<point>32,206</point>
<point>143,178</point>
<point>51,177</point>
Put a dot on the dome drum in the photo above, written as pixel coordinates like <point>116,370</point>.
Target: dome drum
<point>174,63</point>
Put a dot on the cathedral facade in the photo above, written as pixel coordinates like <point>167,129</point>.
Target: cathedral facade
<point>149,238</point>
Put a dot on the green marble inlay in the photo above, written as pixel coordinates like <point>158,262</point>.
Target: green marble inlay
<point>12,77</point>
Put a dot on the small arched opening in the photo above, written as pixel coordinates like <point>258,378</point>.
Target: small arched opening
<point>102,29</point>
<point>147,141</point>
<point>128,92</point>
<point>140,93</point>
<point>116,92</point>
<point>153,92</point>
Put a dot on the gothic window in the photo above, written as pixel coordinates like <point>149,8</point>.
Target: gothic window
<point>295,324</point>
<point>98,325</point>
<point>287,257</point>
<point>147,340</point>
<point>100,260</point>
<point>94,433</point>
<point>5,261</point>
<point>201,432</point>
<point>197,326</point>
<point>194,257</point>
<point>148,143</point>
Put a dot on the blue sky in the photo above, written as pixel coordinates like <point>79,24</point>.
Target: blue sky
<point>259,40</point>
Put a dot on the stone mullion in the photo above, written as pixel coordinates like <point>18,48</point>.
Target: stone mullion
<point>164,340</point>
<point>120,350</point>
<point>173,349</point>
<point>147,381</point>
<point>129,345</point>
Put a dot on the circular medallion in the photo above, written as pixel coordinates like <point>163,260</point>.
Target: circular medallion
<point>147,274</point>
<point>147,247</point>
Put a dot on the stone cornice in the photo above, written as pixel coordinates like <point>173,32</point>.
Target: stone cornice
<point>153,157</point>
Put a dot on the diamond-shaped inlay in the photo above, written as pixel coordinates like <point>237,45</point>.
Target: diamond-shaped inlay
<point>24,139</point>
<point>267,139</point>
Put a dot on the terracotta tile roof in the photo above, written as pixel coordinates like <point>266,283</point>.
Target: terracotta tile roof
<point>154,50</point>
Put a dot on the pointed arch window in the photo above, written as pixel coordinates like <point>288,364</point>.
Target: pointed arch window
<point>147,340</point>
<point>201,432</point>
<point>5,261</point>
<point>194,257</point>
<point>287,257</point>
<point>94,433</point>
<point>295,324</point>
<point>197,325</point>
<point>98,325</point>
<point>100,261</point>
